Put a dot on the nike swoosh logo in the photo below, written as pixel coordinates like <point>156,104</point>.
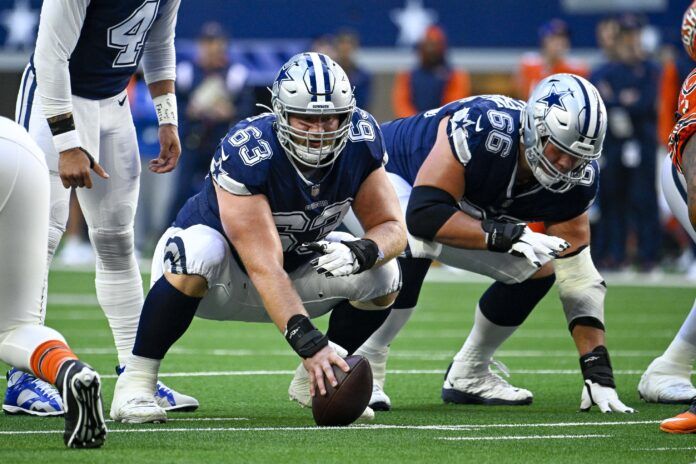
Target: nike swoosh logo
<point>121,102</point>
<point>478,125</point>
<point>223,155</point>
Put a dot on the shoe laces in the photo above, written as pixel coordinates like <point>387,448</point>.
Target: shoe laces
<point>501,367</point>
<point>46,389</point>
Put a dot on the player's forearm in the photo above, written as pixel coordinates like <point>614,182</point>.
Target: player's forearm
<point>277,293</point>
<point>59,31</point>
<point>462,231</point>
<point>390,237</point>
<point>688,165</point>
<point>159,56</point>
<point>159,88</point>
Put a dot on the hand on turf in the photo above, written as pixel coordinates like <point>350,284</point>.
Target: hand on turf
<point>535,246</point>
<point>336,260</point>
<point>605,398</point>
<point>74,166</point>
<point>319,366</point>
<point>170,149</point>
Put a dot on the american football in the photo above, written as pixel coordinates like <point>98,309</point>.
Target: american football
<point>344,403</point>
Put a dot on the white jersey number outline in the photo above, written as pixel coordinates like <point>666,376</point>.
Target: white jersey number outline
<point>129,35</point>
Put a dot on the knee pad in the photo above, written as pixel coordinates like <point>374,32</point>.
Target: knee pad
<point>581,289</point>
<point>509,304</point>
<point>115,248</point>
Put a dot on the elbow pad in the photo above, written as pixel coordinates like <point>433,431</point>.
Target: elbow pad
<point>428,210</point>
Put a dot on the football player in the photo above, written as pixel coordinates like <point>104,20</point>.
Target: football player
<point>668,378</point>
<point>73,102</point>
<point>24,341</point>
<point>469,175</point>
<point>256,244</point>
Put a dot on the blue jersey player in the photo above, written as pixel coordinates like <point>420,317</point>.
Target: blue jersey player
<point>73,102</point>
<point>469,176</point>
<point>256,244</point>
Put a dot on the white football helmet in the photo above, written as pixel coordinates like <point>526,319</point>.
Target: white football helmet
<point>566,110</point>
<point>312,84</point>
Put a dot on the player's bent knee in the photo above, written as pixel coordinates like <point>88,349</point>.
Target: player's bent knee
<point>376,304</point>
<point>189,284</point>
<point>113,247</point>
<point>581,289</point>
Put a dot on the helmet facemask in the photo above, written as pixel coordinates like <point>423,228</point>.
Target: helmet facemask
<point>547,174</point>
<point>301,145</point>
<point>312,84</point>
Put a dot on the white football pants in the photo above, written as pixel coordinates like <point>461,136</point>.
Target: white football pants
<point>23,239</point>
<point>107,133</point>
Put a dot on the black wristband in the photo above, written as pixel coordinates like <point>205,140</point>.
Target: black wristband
<point>366,252</point>
<point>62,126</point>
<point>303,337</point>
<point>596,367</point>
<point>500,236</point>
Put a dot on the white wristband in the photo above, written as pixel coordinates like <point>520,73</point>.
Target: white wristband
<point>66,141</point>
<point>165,106</point>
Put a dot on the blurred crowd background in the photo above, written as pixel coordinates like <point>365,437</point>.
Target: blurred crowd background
<point>407,56</point>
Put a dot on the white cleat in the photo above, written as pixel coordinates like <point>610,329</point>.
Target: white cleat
<point>379,401</point>
<point>172,400</point>
<point>138,409</point>
<point>666,382</point>
<point>478,385</point>
<point>134,400</point>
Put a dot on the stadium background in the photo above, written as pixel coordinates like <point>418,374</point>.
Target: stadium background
<point>487,42</point>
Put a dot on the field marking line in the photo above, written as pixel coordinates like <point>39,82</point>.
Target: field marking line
<point>676,448</point>
<point>524,437</point>
<point>357,427</point>
<point>395,372</point>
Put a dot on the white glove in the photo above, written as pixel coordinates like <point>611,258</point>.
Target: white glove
<point>605,398</point>
<point>536,246</point>
<point>336,260</point>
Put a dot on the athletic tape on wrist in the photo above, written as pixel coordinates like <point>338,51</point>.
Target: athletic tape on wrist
<point>67,140</point>
<point>165,107</point>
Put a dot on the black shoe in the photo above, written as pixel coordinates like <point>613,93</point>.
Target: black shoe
<point>80,388</point>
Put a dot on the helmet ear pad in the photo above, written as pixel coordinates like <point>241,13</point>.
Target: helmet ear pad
<point>312,84</point>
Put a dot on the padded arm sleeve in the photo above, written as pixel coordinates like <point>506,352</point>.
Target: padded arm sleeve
<point>428,210</point>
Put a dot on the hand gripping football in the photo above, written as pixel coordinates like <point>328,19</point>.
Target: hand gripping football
<point>343,404</point>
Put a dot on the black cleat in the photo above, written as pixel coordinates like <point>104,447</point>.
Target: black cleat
<point>80,388</point>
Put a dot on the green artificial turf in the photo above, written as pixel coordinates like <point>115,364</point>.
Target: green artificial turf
<point>245,416</point>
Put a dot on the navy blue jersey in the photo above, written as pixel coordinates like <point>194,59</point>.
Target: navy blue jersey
<point>110,45</point>
<point>483,132</point>
<point>250,161</point>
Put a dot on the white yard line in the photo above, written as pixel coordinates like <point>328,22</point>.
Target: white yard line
<point>359,427</point>
<point>526,437</point>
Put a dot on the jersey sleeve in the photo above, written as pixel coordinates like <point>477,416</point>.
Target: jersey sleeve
<point>464,132</point>
<point>241,162</point>
<point>686,123</point>
<point>159,57</point>
<point>59,30</point>
<point>366,129</point>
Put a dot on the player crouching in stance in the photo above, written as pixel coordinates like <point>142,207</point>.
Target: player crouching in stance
<point>469,175</point>
<point>24,341</point>
<point>253,246</point>
<point>668,378</point>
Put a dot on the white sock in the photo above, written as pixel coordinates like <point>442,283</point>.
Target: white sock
<point>483,340</point>
<point>140,374</point>
<point>680,352</point>
<point>391,327</point>
<point>120,294</point>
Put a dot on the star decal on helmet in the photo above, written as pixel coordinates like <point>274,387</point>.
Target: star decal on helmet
<point>555,98</point>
